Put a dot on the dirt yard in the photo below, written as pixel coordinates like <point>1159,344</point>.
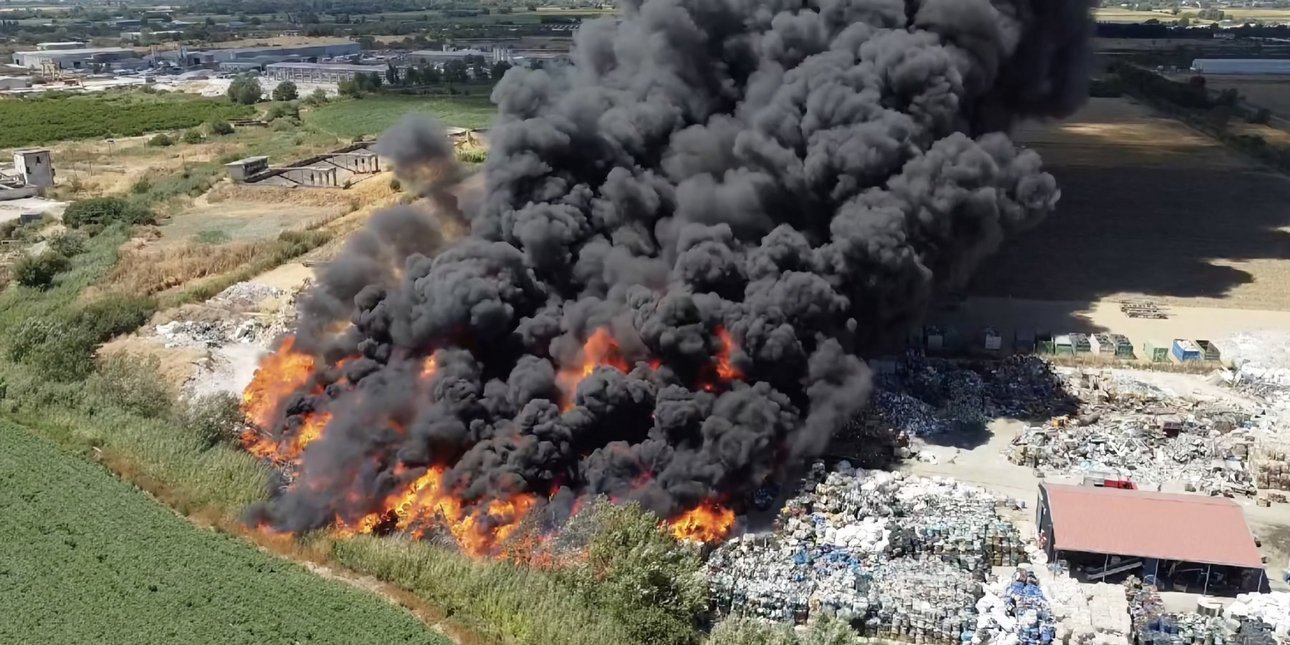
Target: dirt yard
<point>1149,208</point>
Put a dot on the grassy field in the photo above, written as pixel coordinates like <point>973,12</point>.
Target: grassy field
<point>45,119</point>
<point>85,558</point>
<point>1151,208</point>
<point>372,115</point>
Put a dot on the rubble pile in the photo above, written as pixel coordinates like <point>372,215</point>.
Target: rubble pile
<point>1131,429</point>
<point>1014,610</point>
<point>900,554</point>
<point>234,320</point>
<point>1271,464</point>
<point>1262,373</point>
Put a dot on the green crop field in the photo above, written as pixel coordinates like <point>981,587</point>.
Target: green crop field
<point>45,119</point>
<point>86,558</point>
<point>373,114</point>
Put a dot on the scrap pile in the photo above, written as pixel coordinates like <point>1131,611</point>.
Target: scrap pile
<point>1141,432</point>
<point>1262,612</point>
<point>904,556</point>
<point>926,396</point>
<point>1095,614</point>
<point>1014,610</point>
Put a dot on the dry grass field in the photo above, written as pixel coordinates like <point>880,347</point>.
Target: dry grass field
<point>1149,208</point>
<point>1272,93</point>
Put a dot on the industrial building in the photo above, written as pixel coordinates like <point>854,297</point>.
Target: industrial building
<point>267,55</point>
<point>1191,543</point>
<point>318,72</point>
<point>72,58</point>
<point>438,57</point>
<point>1251,66</point>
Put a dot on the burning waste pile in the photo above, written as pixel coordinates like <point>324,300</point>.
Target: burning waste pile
<point>897,556</point>
<point>1134,430</point>
<point>684,243</point>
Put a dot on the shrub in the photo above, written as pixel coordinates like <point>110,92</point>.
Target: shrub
<point>472,155</point>
<point>283,110</point>
<point>245,90</point>
<point>286,91</point>
<point>102,211</point>
<point>193,136</point>
<point>61,346</point>
<point>638,573</point>
<point>317,97</point>
<point>220,128</point>
<point>68,244</point>
<point>38,271</point>
<point>215,418</point>
<point>130,383</point>
<point>142,186</point>
<point>161,141</point>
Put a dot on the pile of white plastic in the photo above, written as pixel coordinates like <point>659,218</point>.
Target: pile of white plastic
<point>1086,614</point>
<point>1014,611</point>
<point>1272,608</point>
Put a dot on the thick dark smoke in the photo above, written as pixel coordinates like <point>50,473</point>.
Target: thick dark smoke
<point>803,176</point>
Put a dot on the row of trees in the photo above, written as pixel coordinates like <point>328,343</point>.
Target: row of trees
<point>454,71</point>
<point>246,90</point>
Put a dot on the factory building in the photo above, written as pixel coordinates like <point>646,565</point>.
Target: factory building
<point>214,57</point>
<point>72,58</point>
<point>318,72</point>
<point>1251,66</point>
<point>1191,543</point>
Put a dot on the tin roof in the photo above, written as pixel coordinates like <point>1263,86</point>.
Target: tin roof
<point>1186,528</point>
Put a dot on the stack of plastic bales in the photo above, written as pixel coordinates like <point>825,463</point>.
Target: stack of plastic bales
<point>1014,610</point>
<point>923,601</point>
<point>1152,625</point>
<point>1273,609</point>
<point>1085,614</point>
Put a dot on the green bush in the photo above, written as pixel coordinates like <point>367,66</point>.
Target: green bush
<point>639,574</point>
<point>474,155</point>
<point>193,136</point>
<point>130,383</point>
<point>141,186</point>
<point>317,97</point>
<point>283,110</point>
<point>286,91</point>
<point>245,90</point>
<point>38,271</point>
<point>214,418</point>
<point>61,345</point>
<point>220,128</point>
<point>161,141</point>
<point>738,630</point>
<point>103,211</point>
<point>68,244</point>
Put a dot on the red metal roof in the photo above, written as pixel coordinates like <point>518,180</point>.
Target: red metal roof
<point>1188,528</point>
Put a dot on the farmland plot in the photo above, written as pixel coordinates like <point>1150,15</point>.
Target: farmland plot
<point>85,558</point>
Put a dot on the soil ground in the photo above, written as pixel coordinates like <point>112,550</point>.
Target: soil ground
<point>1150,208</point>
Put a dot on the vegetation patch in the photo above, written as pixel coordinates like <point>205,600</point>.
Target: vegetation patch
<point>44,119</point>
<point>375,114</point>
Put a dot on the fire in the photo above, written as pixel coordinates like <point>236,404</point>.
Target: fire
<point>600,349</point>
<point>708,522</point>
<point>280,374</point>
<point>725,370</point>
<point>428,368</point>
<point>425,503</point>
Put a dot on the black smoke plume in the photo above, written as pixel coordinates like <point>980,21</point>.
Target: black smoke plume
<point>801,177</point>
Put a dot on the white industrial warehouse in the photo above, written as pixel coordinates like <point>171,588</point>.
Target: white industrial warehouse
<point>1252,66</point>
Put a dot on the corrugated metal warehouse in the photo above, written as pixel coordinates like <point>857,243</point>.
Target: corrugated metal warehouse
<point>1188,542</point>
<point>1274,66</point>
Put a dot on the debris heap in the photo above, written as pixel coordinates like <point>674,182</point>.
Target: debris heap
<point>903,556</point>
<point>1014,610</point>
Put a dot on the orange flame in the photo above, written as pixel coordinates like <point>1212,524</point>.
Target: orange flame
<point>600,349</point>
<point>708,522</point>
<point>725,370</point>
<point>280,374</point>
<point>428,367</point>
<point>425,503</point>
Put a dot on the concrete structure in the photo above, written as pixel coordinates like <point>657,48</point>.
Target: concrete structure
<point>438,57</point>
<point>35,166</point>
<point>310,176</point>
<point>1272,66</point>
<point>1187,542</point>
<point>302,53</point>
<point>359,163</point>
<point>72,58</point>
<point>319,72</point>
<point>243,169</point>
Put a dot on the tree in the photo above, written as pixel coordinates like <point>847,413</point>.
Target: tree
<point>245,90</point>
<point>161,141</point>
<point>193,136</point>
<point>286,91</point>
<point>392,74</point>
<point>317,97</point>
<point>499,70</point>
<point>350,87</point>
<point>220,128</point>
<point>454,71</point>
